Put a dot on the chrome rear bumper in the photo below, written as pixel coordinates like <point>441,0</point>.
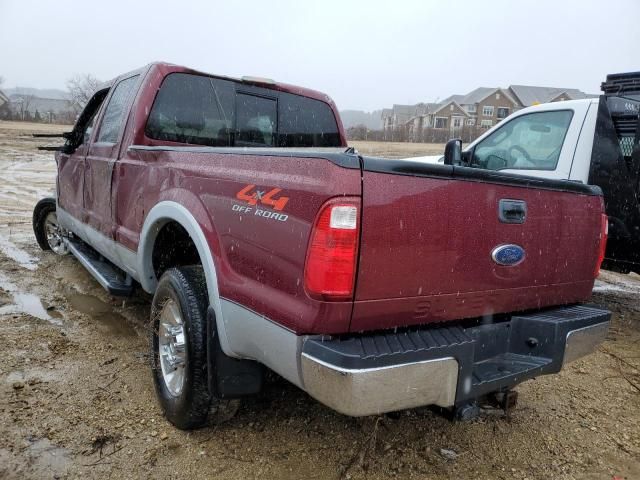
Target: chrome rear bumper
<point>384,389</point>
<point>446,366</point>
<point>583,341</point>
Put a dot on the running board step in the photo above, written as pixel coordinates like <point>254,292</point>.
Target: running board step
<point>114,280</point>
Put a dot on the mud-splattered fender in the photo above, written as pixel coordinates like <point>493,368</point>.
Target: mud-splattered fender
<point>162,213</point>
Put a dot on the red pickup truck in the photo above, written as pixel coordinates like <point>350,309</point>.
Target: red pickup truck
<point>373,284</point>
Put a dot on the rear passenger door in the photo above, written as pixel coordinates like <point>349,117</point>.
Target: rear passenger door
<point>102,155</point>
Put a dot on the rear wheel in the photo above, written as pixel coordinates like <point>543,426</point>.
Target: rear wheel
<point>46,228</point>
<point>178,342</point>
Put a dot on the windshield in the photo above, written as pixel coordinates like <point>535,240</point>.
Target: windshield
<point>529,142</point>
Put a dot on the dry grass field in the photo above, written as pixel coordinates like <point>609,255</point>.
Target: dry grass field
<point>397,149</point>
<point>77,397</point>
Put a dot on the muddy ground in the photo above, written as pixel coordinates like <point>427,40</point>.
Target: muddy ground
<point>77,398</point>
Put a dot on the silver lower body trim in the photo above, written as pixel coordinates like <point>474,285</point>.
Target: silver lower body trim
<point>117,254</point>
<point>377,390</point>
<point>257,338</point>
<point>584,341</point>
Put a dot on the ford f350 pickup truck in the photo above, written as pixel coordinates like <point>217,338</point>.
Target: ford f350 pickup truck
<point>594,141</point>
<point>372,284</point>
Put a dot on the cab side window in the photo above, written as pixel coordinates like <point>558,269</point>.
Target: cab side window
<point>201,110</point>
<point>193,109</point>
<point>256,121</point>
<point>529,142</point>
<point>306,122</point>
<point>114,115</point>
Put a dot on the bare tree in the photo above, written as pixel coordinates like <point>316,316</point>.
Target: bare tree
<point>23,103</point>
<point>80,90</point>
<point>1,80</point>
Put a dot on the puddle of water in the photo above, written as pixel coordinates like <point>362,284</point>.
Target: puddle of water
<point>15,253</point>
<point>28,303</point>
<point>47,457</point>
<point>88,304</point>
<point>102,312</point>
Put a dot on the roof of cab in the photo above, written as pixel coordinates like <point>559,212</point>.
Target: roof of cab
<point>166,67</point>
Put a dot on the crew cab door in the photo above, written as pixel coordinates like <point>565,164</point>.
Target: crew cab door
<point>72,158</point>
<point>102,155</point>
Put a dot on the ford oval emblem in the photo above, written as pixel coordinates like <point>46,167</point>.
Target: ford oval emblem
<point>508,255</point>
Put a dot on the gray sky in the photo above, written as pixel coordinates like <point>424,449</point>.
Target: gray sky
<point>364,54</point>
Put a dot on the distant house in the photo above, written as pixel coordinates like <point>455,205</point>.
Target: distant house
<point>529,95</point>
<point>486,106</point>
<point>407,122</point>
<point>446,116</point>
<point>396,118</point>
<point>5,111</point>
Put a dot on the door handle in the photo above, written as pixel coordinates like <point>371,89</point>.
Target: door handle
<point>512,211</point>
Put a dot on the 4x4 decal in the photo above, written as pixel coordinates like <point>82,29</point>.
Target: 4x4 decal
<point>266,198</point>
<point>262,197</point>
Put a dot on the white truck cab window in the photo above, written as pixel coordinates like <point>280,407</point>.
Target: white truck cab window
<point>528,142</point>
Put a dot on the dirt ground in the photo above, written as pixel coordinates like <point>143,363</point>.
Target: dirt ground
<point>77,398</point>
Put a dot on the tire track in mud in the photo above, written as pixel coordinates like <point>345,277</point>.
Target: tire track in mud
<point>26,175</point>
<point>23,184</point>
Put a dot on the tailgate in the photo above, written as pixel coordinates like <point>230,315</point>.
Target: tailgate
<point>434,246</point>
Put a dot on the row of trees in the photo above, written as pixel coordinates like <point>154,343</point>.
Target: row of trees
<point>19,112</point>
<point>467,133</point>
<point>360,132</point>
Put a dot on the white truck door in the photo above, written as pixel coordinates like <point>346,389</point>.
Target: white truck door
<point>539,141</point>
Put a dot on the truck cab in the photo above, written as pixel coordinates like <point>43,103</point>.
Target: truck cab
<point>592,141</point>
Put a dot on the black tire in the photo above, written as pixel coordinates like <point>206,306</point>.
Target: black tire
<point>186,286</point>
<point>43,208</point>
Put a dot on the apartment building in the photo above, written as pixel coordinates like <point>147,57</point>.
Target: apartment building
<point>474,112</point>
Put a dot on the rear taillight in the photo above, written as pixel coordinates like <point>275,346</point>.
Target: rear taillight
<point>330,269</point>
<point>602,247</point>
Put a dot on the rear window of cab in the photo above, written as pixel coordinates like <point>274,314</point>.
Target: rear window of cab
<point>201,110</point>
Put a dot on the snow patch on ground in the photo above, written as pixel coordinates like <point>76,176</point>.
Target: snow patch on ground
<point>15,253</point>
<point>601,286</point>
<point>614,282</point>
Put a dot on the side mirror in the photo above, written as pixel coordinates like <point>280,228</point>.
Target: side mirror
<point>453,152</point>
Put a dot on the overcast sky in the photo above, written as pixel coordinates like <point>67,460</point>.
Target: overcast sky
<point>366,55</point>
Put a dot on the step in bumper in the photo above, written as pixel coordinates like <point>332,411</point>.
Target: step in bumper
<point>446,365</point>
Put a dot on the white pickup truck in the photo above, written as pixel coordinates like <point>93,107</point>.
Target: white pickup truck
<point>593,141</point>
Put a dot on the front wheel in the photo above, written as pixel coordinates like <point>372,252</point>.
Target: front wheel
<point>49,234</point>
<point>179,346</point>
